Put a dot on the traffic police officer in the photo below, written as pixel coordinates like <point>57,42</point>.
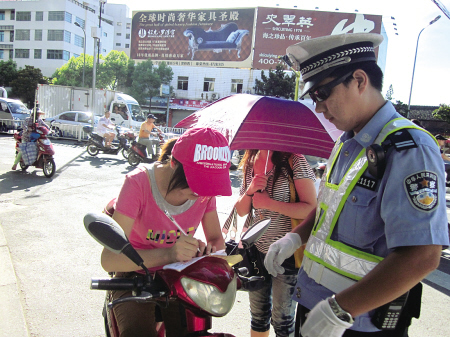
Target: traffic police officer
<point>381,220</point>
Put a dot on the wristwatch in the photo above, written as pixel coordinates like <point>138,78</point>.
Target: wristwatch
<point>339,312</point>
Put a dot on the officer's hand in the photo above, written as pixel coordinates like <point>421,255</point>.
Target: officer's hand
<point>321,321</point>
<point>279,251</point>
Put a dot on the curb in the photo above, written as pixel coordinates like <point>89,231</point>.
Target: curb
<point>12,319</point>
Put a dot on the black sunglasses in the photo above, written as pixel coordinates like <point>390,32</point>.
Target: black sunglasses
<point>323,92</point>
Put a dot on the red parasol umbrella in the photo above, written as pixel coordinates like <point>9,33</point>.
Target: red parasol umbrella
<point>267,123</point>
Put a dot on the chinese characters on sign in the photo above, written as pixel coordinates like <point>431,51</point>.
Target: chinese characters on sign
<point>212,37</point>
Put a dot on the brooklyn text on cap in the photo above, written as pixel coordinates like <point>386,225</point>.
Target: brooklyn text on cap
<point>319,57</point>
<point>205,156</point>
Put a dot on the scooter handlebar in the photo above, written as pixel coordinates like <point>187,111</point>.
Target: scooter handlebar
<point>117,283</point>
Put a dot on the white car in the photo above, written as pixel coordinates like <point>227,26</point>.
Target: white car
<point>68,123</point>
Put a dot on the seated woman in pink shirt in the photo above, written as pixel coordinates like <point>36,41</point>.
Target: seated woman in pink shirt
<point>183,182</point>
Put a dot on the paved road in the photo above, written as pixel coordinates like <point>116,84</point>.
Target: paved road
<point>47,258</point>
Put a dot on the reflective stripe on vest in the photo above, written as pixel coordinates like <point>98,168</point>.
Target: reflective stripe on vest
<point>334,255</point>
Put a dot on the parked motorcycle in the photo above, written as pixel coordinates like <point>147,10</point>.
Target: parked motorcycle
<point>96,143</point>
<point>45,153</point>
<point>206,288</point>
<point>138,152</point>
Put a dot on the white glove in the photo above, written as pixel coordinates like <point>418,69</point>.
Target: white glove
<point>322,322</point>
<point>281,250</point>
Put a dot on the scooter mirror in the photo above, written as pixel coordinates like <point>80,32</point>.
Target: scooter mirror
<point>106,231</point>
<point>254,233</point>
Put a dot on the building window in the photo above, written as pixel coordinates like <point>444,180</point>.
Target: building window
<point>127,36</point>
<point>236,86</point>
<point>2,15</point>
<point>67,36</point>
<point>79,41</point>
<point>119,34</point>
<point>208,84</point>
<point>58,55</point>
<point>118,44</point>
<point>22,53</point>
<point>76,55</point>
<point>22,35</point>
<point>11,36</point>
<point>12,16</point>
<point>182,83</point>
<point>2,36</point>
<point>127,45</point>
<point>103,50</point>
<point>119,23</point>
<point>105,34</point>
<point>39,16</point>
<point>23,16</point>
<point>68,17</point>
<point>128,25</point>
<point>55,35</point>
<point>58,16</point>
<point>38,53</point>
<point>80,21</point>
<point>38,35</point>
<point>1,54</point>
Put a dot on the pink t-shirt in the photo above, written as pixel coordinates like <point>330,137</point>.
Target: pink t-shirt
<point>151,228</point>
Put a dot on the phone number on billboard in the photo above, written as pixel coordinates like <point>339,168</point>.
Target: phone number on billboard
<point>269,61</point>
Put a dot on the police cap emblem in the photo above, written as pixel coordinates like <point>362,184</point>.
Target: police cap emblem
<point>422,190</point>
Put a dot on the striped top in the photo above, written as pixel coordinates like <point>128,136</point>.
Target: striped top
<point>280,224</point>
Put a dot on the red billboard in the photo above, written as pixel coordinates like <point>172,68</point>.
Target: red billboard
<point>278,28</point>
<point>207,37</point>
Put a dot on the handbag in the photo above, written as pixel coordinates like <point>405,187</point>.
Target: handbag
<point>251,258</point>
<point>29,152</point>
<point>298,254</point>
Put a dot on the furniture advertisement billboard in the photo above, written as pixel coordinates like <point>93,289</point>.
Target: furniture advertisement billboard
<point>278,28</point>
<point>206,38</point>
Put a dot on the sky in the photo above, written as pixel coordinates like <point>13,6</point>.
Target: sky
<point>432,67</point>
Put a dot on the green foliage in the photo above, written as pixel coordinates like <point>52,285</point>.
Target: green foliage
<point>443,112</point>
<point>113,72</point>
<point>401,108</point>
<point>24,86</point>
<point>389,93</point>
<point>278,84</point>
<point>147,80</point>
<point>8,72</point>
<point>71,73</point>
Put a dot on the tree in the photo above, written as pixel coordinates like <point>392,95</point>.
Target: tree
<point>443,112</point>
<point>389,93</point>
<point>278,83</point>
<point>71,73</point>
<point>147,80</point>
<point>24,86</point>
<point>8,72</point>
<point>113,71</point>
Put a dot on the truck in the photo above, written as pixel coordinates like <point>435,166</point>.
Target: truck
<point>125,110</point>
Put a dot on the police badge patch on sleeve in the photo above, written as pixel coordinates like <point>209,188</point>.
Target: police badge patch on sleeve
<point>422,190</point>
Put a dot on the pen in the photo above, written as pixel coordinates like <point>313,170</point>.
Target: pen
<point>176,224</point>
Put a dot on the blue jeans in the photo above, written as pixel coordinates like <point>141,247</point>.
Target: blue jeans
<point>273,303</point>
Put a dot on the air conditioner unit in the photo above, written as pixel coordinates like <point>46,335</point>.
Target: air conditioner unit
<point>215,95</point>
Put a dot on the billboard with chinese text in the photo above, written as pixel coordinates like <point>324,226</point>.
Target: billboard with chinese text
<point>278,28</point>
<point>207,37</point>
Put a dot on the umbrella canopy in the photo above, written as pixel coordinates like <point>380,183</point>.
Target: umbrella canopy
<point>267,123</point>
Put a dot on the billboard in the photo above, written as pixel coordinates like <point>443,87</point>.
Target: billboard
<point>206,38</point>
<point>278,28</point>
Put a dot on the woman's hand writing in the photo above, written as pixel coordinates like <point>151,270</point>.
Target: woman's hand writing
<point>205,249</point>
<point>184,249</point>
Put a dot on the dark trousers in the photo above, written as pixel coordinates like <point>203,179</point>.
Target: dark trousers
<point>300,319</point>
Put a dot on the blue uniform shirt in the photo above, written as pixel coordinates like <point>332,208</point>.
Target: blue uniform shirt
<point>379,220</point>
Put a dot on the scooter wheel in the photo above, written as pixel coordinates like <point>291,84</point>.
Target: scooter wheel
<point>23,166</point>
<point>49,167</point>
<point>92,150</point>
<point>133,159</point>
<point>126,153</point>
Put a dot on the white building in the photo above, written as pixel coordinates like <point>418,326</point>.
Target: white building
<point>44,33</point>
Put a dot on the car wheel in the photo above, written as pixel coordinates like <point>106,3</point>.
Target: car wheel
<point>57,132</point>
<point>49,167</point>
<point>92,150</point>
<point>133,159</point>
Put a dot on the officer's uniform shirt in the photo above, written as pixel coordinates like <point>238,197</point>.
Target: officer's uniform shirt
<point>380,219</point>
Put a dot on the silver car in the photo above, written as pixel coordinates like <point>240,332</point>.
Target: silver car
<point>69,123</point>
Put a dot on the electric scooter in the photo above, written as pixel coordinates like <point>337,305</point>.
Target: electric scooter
<point>206,286</point>
<point>96,143</point>
<point>45,153</point>
<point>138,152</point>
